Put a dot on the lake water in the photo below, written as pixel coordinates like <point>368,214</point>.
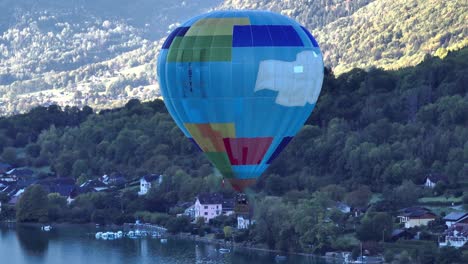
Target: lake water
<point>77,245</point>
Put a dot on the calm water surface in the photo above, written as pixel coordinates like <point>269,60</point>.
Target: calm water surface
<point>77,245</point>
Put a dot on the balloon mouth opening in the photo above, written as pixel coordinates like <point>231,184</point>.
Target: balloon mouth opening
<point>239,185</point>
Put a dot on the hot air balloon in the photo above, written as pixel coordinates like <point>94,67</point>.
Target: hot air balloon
<point>240,85</point>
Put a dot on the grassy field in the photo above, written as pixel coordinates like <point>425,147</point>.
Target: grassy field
<point>376,197</point>
<point>440,199</point>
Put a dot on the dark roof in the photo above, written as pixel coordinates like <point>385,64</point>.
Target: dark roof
<point>7,183</point>
<point>77,190</point>
<point>10,189</point>
<point>398,232</point>
<point>93,184</point>
<point>210,198</point>
<point>151,177</point>
<point>25,182</point>
<point>415,211</point>
<point>14,200</point>
<point>462,230</point>
<point>435,177</point>
<point>455,216</point>
<point>229,204</point>
<point>21,172</point>
<point>184,205</point>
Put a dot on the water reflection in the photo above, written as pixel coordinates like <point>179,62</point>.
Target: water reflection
<point>77,245</point>
<point>32,240</point>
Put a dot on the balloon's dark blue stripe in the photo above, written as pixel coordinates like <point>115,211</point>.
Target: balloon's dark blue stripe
<point>312,39</point>
<point>265,36</point>
<point>280,148</point>
<point>178,32</point>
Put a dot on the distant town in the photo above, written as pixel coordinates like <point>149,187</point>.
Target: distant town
<point>448,224</point>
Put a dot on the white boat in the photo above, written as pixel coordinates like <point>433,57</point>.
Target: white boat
<point>104,236</point>
<point>119,234</point>
<point>98,235</point>
<point>224,250</point>
<point>163,240</point>
<point>46,228</point>
<point>131,234</point>
<point>110,235</point>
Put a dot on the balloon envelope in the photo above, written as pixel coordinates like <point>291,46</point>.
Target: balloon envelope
<point>240,85</point>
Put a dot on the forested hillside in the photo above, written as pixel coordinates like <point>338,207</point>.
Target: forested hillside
<point>379,33</point>
<point>102,53</point>
<point>373,127</point>
<point>80,52</point>
<point>372,139</point>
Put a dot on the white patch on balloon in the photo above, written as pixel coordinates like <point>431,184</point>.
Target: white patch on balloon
<point>297,82</point>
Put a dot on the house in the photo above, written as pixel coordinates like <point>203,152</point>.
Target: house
<point>22,177</point>
<point>400,233</point>
<point>4,167</point>
<point>359,211</point>
<point>455,236</point>
<point>147,181</point>
<point>5,179</point>
<point>228,206</point>
<point>455,217</point>
<point>10,190</point>
<point>114,179</point>
<point>77,191</point>
<point>94,185</point>
<point>415,216</point>
<point>20,172</point>
<point>243,222</point>
<point>208,206</point>
<point>433,179</point>
<point>190,211</point>
<point>344,208</point>
<point>15,197</point>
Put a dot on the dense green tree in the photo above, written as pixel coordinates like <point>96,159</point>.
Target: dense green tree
<point>32,205</point>
<point>375,227</point>
<point>57,207</point>
<point>449,255</point>
<point>9,155</point>
<point>359,198</point>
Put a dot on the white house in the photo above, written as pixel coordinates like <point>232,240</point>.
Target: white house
<point>455,217</point>
<point>243,222</point>
<point>433,179</point>
<point>455,236</point>
<point>211,205</point>
<point>147,181</point>
<point>190,212</point>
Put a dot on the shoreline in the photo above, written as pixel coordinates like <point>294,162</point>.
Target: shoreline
<point>181,236</point>
<point>234,245</point>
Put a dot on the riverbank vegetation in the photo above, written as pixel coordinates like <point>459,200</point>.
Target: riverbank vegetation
<point>371,142</point>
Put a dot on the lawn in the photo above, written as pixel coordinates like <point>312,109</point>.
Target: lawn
<point>376,197</point>
<point>440,199</point>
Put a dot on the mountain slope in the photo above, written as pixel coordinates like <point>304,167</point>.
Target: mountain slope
<point>81,52</point>
<point>394,34</point>
<point>381,33</point>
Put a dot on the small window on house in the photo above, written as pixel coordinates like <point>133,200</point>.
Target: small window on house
<point>217,207</point>
<point>206,207</point>
<point>206,213</point>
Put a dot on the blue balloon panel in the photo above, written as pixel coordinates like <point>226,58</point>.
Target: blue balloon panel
<point>240,85</point>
